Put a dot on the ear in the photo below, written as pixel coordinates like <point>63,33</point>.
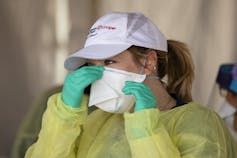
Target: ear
<point>151,63</point>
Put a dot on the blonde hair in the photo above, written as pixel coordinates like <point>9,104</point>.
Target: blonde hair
<point>177,64</point>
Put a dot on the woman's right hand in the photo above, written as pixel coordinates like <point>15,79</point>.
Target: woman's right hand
<point>76,82</point>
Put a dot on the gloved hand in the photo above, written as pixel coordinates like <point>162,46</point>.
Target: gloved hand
<point>76,82</point>
<point>144,97</point>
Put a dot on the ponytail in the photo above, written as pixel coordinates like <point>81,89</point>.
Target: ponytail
<point>177,65</point>
<point>180,70</point>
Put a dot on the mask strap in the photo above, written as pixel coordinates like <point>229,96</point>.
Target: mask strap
<point>153,77</point>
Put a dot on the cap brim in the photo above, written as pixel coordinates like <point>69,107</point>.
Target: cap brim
<point>99,52</point>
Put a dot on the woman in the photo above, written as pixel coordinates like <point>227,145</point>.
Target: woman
<point>137,115</point>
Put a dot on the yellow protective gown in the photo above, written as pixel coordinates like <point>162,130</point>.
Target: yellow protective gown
<point>189,131</point>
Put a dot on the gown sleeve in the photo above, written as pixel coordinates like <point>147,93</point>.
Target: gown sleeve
<point>61,127</point>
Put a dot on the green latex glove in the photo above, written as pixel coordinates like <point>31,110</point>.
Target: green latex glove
<point>144,97</point>
<point>76,82</point>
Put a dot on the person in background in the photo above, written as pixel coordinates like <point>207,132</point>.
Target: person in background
<point>227,82</point>
<point>138,114</point>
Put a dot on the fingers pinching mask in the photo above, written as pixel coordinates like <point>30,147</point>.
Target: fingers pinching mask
<point>107,94</point>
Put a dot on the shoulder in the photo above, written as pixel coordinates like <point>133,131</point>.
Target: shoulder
<point>192,117</point>
<point>201,122</point>
<point>190,110</point>
<point>195,109</point>
<point>197,127</point>
<point>197,114</point>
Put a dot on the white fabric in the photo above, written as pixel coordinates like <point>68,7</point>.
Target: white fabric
<point>226,110</point>
<point>230,124</point>
<point>107,94</point>
<point>115,32</point>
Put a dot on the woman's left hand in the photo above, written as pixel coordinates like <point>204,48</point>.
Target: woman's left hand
<point>144,97</point>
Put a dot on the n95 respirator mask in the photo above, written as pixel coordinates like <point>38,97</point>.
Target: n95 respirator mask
<point>107,94</point>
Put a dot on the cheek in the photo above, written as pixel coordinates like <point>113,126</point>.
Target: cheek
<point>131,66</point>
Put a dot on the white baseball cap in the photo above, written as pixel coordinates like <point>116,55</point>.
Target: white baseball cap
<point>114,33</point>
